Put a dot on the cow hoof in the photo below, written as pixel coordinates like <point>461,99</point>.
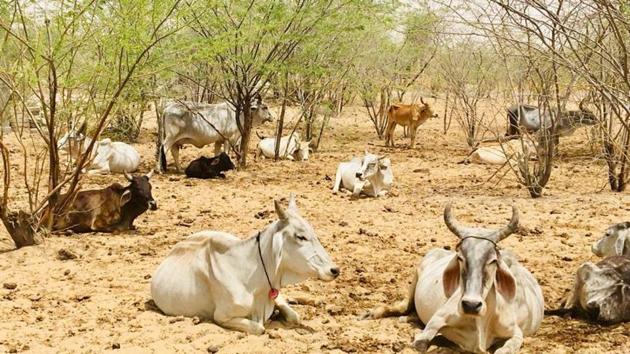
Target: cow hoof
<point>503,351</point>
<point>258,330</point>
<point>421,345</point>
<point>289,316</point>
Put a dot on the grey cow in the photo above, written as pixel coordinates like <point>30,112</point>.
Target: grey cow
<point>530,118</point>
<point>203,124</point>
<point>601,291</point>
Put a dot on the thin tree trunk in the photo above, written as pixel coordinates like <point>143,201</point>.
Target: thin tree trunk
<point>247,131</point>
<point>276,156</point>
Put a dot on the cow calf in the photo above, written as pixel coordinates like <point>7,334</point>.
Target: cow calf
<point>212,167</point>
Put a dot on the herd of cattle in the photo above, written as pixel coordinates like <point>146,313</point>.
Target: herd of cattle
<point>479,297</point>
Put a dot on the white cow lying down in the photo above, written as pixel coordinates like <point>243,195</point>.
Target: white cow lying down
<point>371,175</point>
<point>217,276</point>
<point>108,156</point>
<point>291,148</point>
<point>498,154</point>
<point>478,297</point>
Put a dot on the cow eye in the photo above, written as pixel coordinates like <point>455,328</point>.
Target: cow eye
<point>301,238</point>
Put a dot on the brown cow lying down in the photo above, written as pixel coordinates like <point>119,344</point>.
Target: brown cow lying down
<point>113,208</point>
<point>601,291</point>
<point>412,115</point>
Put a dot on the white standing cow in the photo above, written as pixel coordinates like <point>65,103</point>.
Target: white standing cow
<point>615,242</point>
<point>108,156</point>
<point>478,297</point>
<point>291,148</point>
<point>235,283</point>
<point>371,175</point>
<point>204,124</point>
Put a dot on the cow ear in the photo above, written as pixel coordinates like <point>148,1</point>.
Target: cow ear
<point>214,162</point>
<point>125,197</point>
<point>282,214</point>
<point>450,278</point>
<point>620,244</point>
<point>505,282</point>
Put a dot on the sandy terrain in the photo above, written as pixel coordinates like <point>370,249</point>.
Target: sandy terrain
<point>99,302</point>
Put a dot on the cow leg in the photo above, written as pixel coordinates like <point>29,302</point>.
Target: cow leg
<point>358,187</point>
<point>412,132</point>
<point>401,308</point>
<point>167,145</point>
<point>289,315</point>
<point>389,133</point>
<point>100,171</point>
<point>513,344</point>
<point>337,184</point>
<point>243,324</point>
<point>445,314</point>
<point>175,153</point>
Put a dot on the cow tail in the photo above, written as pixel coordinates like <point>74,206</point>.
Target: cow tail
<point>162,158</point>
<point>161,137</point>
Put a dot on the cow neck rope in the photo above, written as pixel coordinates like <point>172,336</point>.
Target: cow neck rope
<point>273,292</point>
<point>496,247</point>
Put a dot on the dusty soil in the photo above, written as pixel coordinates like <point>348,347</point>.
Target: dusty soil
<point>99,302</point>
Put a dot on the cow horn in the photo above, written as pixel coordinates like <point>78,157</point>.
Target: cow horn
<point>292,203</point>
<point>421,100</point>
<point>150,174</point>
<point>452,223</point>
<point>260,136</point>
<point>128,176</point>
<point>510,228</point>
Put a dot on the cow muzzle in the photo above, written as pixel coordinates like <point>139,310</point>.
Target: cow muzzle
<point>595,249</point>
<point>152,205</point>
<point>472,307</point>
<point>329,273</point>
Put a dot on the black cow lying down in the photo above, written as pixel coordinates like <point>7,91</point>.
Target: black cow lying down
<point>212,167</point>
